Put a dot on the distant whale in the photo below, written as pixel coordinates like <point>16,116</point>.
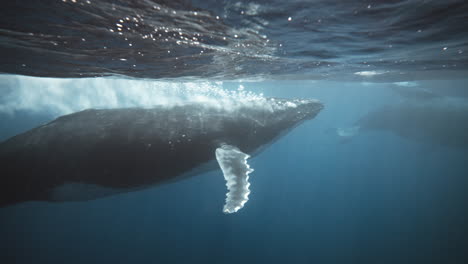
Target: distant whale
<point>415,93</point>
<point>96,153</point>
<point>439,120</point>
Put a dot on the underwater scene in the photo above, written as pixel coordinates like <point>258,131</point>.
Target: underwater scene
<point>187,131</point>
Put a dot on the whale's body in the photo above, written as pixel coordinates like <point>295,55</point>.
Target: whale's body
<point>441,121</point>
<point>95,153</point>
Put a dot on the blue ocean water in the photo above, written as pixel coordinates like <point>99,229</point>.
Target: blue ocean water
<point>378,176</point>
<point>379,198</point>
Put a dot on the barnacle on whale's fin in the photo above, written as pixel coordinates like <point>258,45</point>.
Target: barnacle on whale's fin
<point>233,163</point>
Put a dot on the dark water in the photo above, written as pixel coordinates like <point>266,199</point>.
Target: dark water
<point>379,198</point>
<point>391,191</point>
<point>345,40</point>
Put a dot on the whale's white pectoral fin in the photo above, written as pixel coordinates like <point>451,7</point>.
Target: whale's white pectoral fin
<point>233,163</point>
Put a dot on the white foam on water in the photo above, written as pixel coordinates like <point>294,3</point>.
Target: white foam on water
<point>63,96</point>
<point>369,73</point>
<point>406,84</point>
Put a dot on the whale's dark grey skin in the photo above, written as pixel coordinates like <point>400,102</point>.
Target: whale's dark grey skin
<point>441,121</point>
<point>415,93</point>
<point>94,153</point>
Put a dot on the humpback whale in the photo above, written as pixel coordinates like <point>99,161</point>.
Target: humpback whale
<point>435,120</point>
<point>100,152</point>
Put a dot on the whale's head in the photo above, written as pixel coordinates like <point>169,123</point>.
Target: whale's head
<point>260,124</point>
<point>296,110</point>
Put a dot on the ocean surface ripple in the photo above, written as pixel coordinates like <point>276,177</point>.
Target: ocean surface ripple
<point>390,40</point>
